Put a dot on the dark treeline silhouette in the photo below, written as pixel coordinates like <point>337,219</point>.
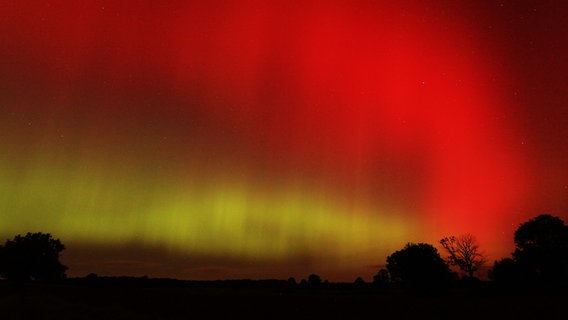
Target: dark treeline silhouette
<point>93,280</point>
<point>540,258</point>
<point>417,282</point>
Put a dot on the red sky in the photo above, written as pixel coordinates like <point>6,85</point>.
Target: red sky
<point>268,139</point>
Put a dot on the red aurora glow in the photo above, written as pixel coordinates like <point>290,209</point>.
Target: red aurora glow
<point>383,104</point>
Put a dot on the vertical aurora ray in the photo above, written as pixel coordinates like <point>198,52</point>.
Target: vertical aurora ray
<point>216,218</point>
<point>258,130</point>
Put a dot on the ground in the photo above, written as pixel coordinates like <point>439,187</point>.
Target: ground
<point>111,302</point>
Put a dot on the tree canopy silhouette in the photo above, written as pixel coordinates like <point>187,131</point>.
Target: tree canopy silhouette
<point>314,280</point>
<point>419,266</point>
<point>33,256</point>
<point>381,278</point>
<point>463,251</point>
<point>505,271</point>
<point>542,249</point>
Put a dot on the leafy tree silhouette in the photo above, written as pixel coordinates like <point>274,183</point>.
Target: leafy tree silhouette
<point>359,282</point>
<point>419,266</point>
<point>314,281</point>
<point>505,272</point>
<point>463,251</point>
<point>292,282</point>
<point>382,277</point>
<point>33,256</point>
<point>542,249</point>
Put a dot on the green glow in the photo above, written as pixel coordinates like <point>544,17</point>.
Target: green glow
<point>219,216</point>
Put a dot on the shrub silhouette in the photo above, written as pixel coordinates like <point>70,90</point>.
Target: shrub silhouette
<point>33,256</point>
<point>382,278</point>
<point>359,282</point>
<point>314,280</point>
<point>542,249</point>
<point>419,266</point>
<point>292,282</point>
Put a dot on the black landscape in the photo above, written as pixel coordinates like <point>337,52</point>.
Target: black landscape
<point>417,283</point>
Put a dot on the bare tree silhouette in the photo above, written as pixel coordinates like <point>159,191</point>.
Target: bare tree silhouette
<point>463,251</point>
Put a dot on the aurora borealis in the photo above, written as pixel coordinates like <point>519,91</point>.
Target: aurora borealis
<point>230,139</point>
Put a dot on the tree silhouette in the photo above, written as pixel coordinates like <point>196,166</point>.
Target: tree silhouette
<point>33,256</point>
<point>542,249</point>
<point>359,282</point>
<point>314,280</point>
<point>463,251</point>
<point>419,266</point>
<point>292,282</point>
<point>505,271</point>
<point>381,278</point>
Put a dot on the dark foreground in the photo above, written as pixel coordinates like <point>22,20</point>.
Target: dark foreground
<point>80,301</point>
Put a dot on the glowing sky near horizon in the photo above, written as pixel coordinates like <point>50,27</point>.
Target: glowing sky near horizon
<point>330,132</point>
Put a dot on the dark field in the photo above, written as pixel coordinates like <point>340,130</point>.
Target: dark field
<point>134,302</point>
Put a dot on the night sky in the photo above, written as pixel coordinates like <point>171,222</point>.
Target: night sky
<point>268,139</point>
